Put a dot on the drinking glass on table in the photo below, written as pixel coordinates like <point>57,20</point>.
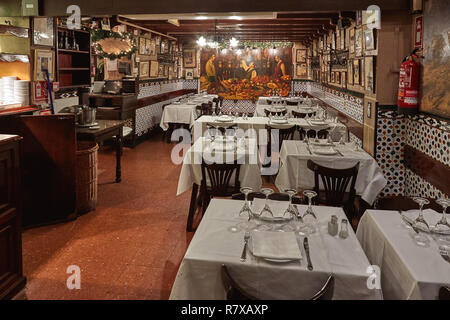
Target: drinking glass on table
<point>443,224</point>
<point>266,210</point>
<point>246,210</point>
<point>420,221</point>
<point>306,225</point>
<point>310,194</point>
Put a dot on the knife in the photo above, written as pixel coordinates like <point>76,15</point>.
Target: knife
<point>306,246</point>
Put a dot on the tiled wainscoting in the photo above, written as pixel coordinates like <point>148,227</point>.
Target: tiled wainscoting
<point>149,116</point>
<point>422,132</point>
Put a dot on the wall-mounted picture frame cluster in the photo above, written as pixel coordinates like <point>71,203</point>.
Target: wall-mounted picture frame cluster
<point>44,61</point>
<point>300,56</point>
<point>147,46</point>
<point>144,69</point>
<point>189,58</point>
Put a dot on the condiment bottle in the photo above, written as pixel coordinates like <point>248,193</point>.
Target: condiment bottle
<point>333,226</point>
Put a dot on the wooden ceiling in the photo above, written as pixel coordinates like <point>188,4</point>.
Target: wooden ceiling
<point>302,27</point>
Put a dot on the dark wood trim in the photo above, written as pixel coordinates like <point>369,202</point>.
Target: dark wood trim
<point>163,97</point>
<point>431,170</point>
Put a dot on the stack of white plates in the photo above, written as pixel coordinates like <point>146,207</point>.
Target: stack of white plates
<point>7,88</point>
<point>22,92</point>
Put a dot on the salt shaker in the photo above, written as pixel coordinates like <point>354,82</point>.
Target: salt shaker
<point>333,226</point>
<point>344,229</point>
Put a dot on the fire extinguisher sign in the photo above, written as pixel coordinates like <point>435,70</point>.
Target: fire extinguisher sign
<point>418,39</point>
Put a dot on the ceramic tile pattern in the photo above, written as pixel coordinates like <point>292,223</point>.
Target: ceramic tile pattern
<point>422,132</point>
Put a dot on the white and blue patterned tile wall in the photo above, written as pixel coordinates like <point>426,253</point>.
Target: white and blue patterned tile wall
<point>423,133</point>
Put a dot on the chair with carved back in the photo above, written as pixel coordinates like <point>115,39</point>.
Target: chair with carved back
<point>234,290</point>
<point>291,103</point>
<point>205,109</point>
<point>338,184</point>
<point>222,128</point>
<point>220,104</point>
<point>296,114</point>
<point>444,293</point>
<point>321,133</point>
<point>220,183</point>
<point>274,112</point>
<point>284,133</point>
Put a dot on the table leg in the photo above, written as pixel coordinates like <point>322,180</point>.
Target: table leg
<point>192,207</point>
<point>118,156</point>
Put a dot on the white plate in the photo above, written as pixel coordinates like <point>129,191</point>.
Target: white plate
<point>317,122</point>
<point>224,119</point>
<point>279,121</point>
<point>325,151</point>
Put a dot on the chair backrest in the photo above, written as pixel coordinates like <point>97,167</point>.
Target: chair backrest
<point>283,134</point>
<point>321,134</point>
<point>235,292</point>
<point>292,103</point>
<point>327,291</point>
<point>221,127</point>
<point>275,113</point>
<point>219,175</point>
<point>296,114</point>
<point>335,182</point>
<point>444,293</point>
<point>232,289</point>
<point>206,108</point>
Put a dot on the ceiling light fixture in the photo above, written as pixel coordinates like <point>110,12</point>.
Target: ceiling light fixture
<point>201,41</point>
<point>235,18</point>
<point>201,17</point>
<point>234,42</point>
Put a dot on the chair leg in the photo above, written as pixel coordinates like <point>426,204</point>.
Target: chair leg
<point>192,207</point>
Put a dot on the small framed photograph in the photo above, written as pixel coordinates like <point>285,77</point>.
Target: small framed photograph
<point>43,31</point>
<point>189,74</point>
<point>154,68</point>
<point>369,41</point>
<point>358,42</point>
<point>361,73</point>
<point>369,109</point>
<point>189,58</point>
<point>344,79</point>
<point>105,25</point>
<point>338,39</point>
<point>300,56</point>
<point>338,78</point>
<point>350,72</point>
<point>301,70</point>
<point>342,39</point>
<point>142,46</point>
<point>144,68</point>
<point>368,73</point>
<point>44,60</point>
<point>351,42</point>
<point>356,71</point>
<point>332,77</point>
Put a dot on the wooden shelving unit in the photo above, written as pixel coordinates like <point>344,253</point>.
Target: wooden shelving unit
<point>73,64</point>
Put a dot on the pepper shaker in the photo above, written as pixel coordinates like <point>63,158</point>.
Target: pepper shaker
<point>344,229</point>
<point>333,226</point>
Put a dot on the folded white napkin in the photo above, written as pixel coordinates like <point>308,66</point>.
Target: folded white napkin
<point>275,245</point>
<point>278,207</point>
<point>431,216</point>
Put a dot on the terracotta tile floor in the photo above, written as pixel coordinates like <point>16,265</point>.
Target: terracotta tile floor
<point>130,247</point>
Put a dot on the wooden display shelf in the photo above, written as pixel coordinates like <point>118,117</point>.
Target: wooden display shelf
<point>73,51</point>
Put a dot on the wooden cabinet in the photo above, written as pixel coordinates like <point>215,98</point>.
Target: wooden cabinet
<point>11,278</point>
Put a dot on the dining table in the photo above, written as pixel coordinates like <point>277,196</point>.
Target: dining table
<point>216,242</point>
<point>409,269</point>
<point>294,173</point>
<point>183,111</point>
<point>258,126</point>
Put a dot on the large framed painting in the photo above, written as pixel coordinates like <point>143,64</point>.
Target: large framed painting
<point>301,70</point>
<point>436,63</point>
<point>189,58</point>
<point>300,56</point>
<point>43,31</point>
<point>44,61</point>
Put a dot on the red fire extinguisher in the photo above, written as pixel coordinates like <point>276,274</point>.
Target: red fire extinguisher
<point>408,85</point>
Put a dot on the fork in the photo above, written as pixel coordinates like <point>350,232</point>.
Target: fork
<point>244,250</point>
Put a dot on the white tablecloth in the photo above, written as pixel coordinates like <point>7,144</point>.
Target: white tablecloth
<point>407,270</point>
<point>213,245</point>
<point>183,112</point>
<point>260,109</point>
<point>294,172</point>
<point>250,171</point>
<point>338,130</point>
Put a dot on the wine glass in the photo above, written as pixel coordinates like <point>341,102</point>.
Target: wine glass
<point>420,219</point>
<point>246,210</point>
<point>310,194</point>
<point>267,192</point>
<point>443,224</point>
<point>291,209</point>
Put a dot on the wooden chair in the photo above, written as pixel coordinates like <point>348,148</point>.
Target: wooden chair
<point>444,293</point>
<point>296,114</point>
<point>205,109</point>
<point>335,183</point>
<point>222,127</point>
<point>284,133</point>
<point>403,203</point>
<point>321,134</point>
<point>275,113</point>
<point>220,104</point>
<point>219,175</point>
<point>291,103</point>
<point>234,291</point>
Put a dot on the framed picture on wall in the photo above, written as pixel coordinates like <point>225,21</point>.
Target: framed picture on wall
<point>356,71</point>
<point>300,56</point>
<point>44,60</point>
<point>351,42</point>
<point>189,74</point>
<point>338,77</point>
<point>344,79</point>
<point>361,72</point>
<point>338,39</point>
<point>368,73</point>
<point>350,72</point>
<point>332,77</point>
<point>342,39</point>
<point>301,70</point>
<point>189,58</point>
<point>142,46</point>
<point>154,67</point>
<point>144,69</point>
<point>369,40</point>
<point>43,31</point>
<point>358,42</point>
